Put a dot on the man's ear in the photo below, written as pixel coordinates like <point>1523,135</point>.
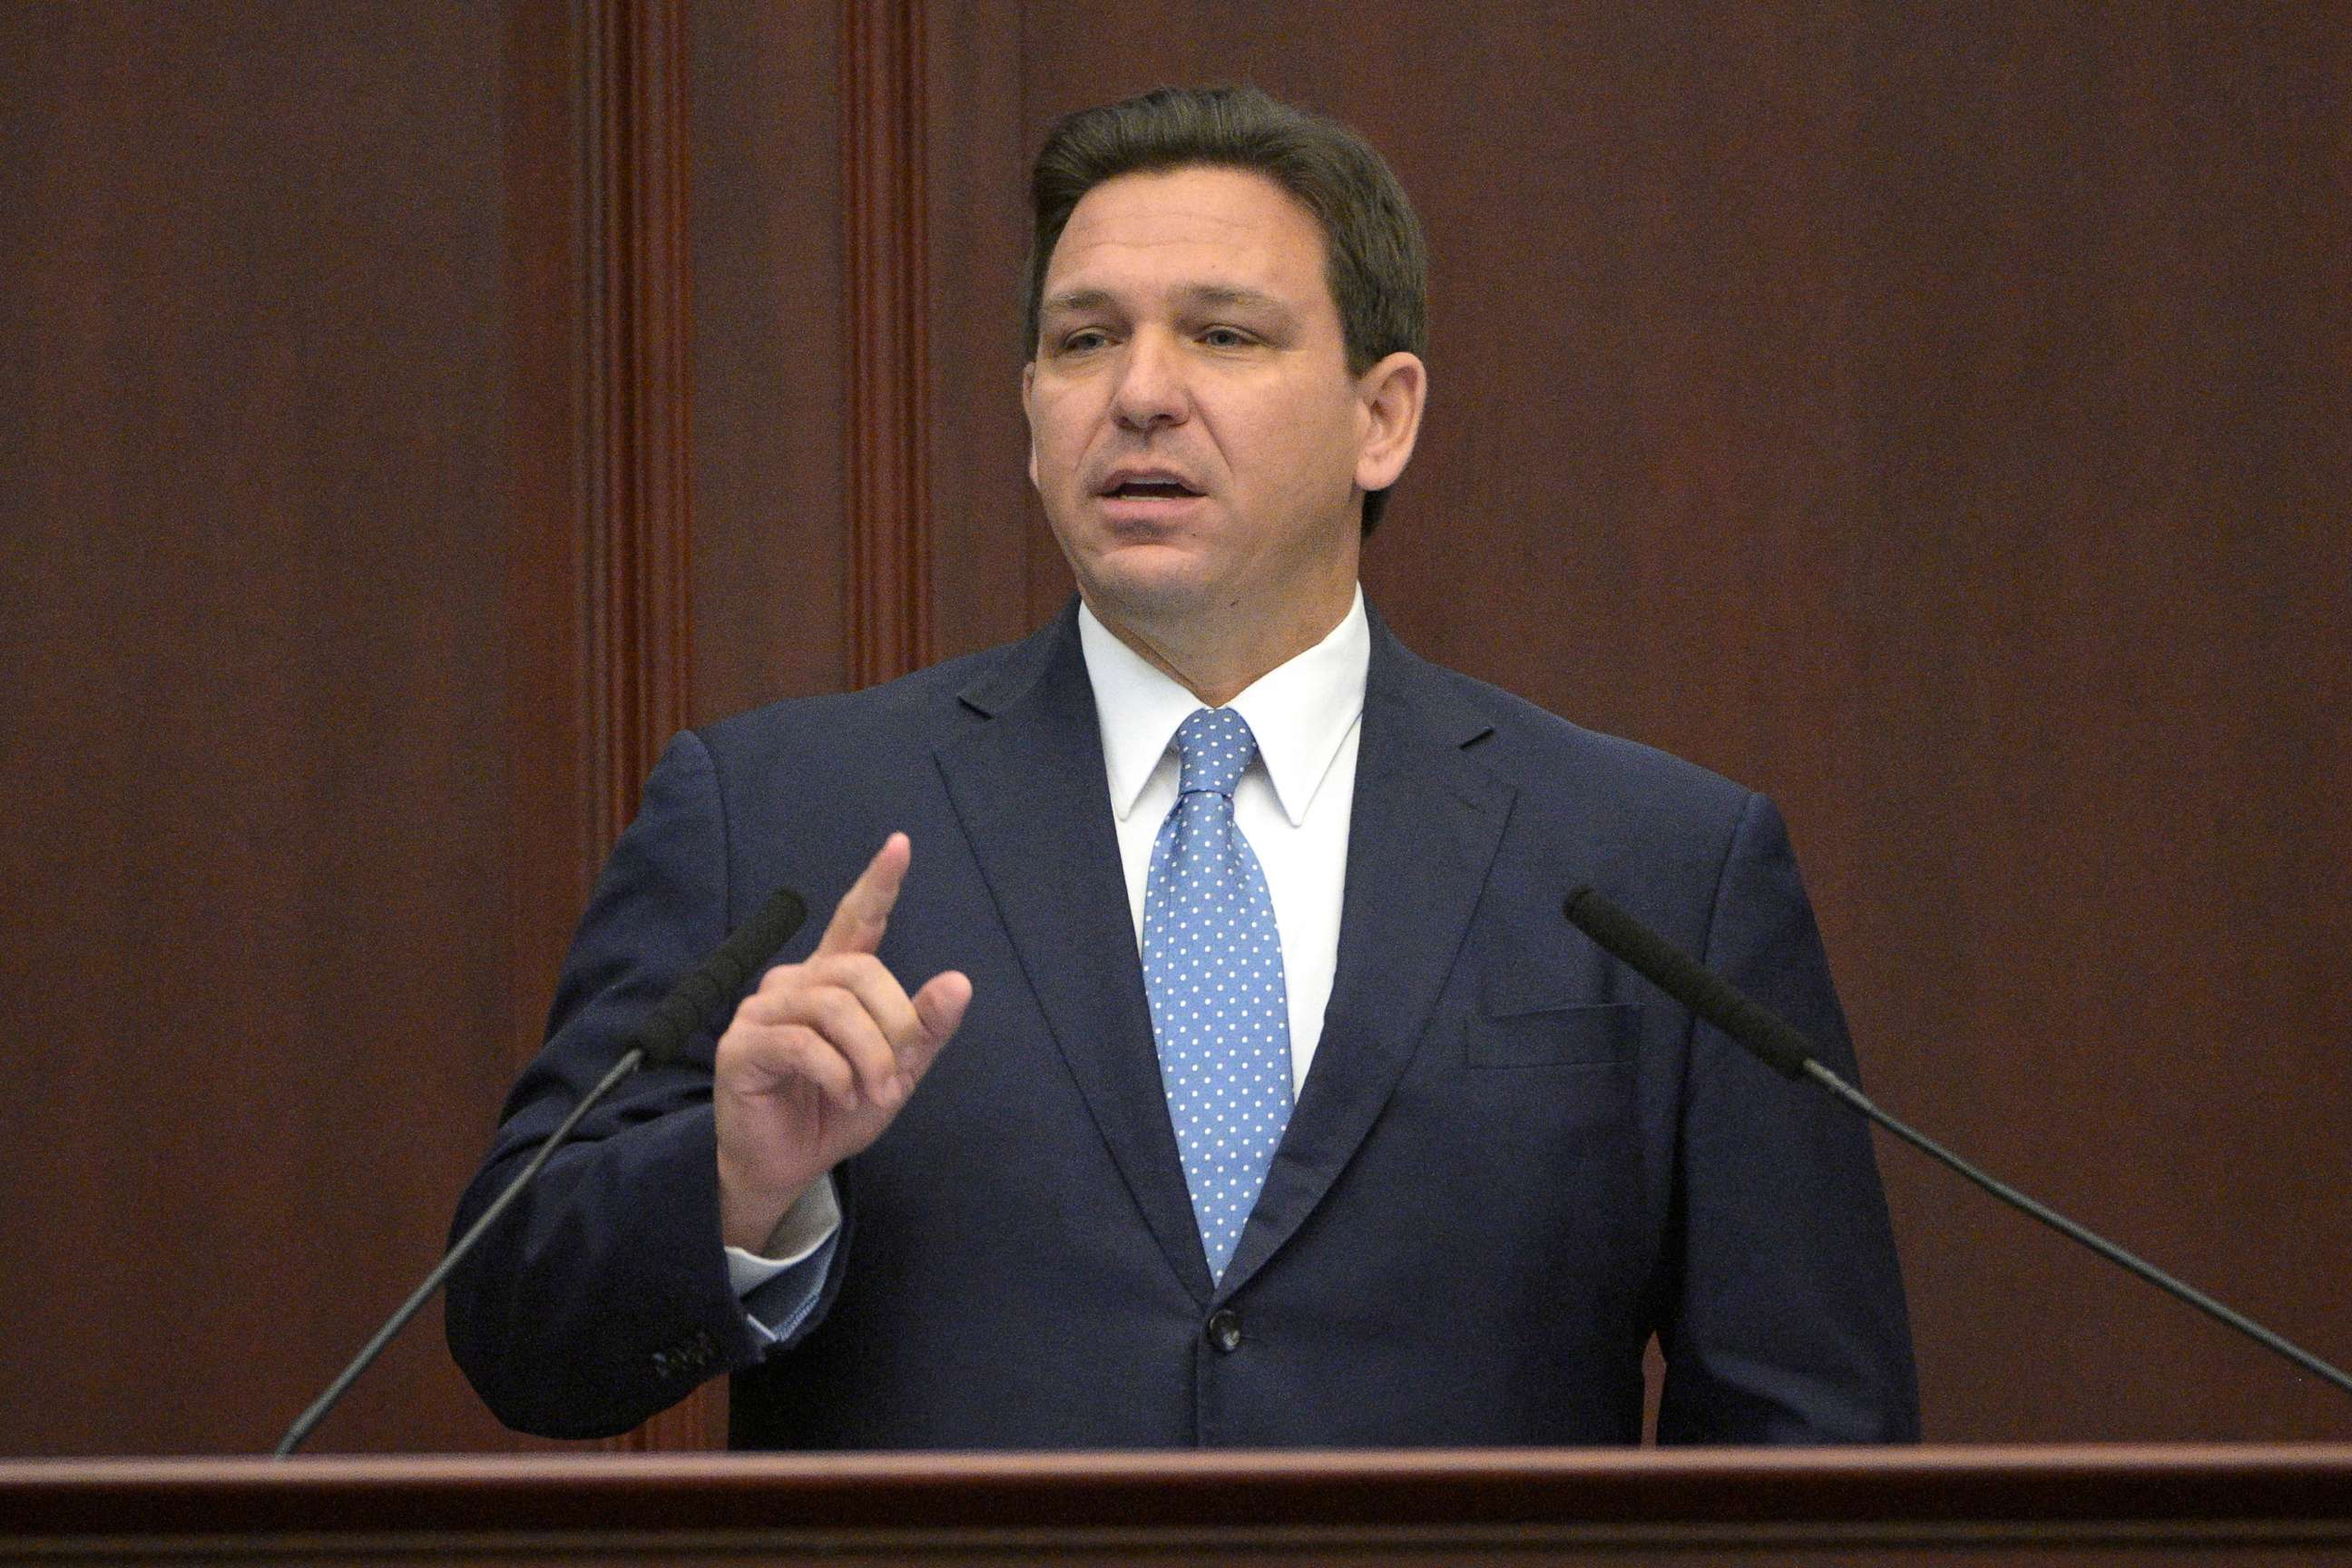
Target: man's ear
<point>1028,386</point>
<point>1390,397</point>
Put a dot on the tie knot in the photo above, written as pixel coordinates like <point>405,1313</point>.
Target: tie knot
<point>1216,746</point>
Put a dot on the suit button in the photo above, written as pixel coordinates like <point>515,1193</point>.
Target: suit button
<point>1225,1329</point>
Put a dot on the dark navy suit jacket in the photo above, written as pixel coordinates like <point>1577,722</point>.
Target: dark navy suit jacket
<point>1511,1164</point>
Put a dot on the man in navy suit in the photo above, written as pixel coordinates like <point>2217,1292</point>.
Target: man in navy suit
<point>952,1176</point>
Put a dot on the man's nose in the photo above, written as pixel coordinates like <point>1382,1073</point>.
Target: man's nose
<point>1150,383</point>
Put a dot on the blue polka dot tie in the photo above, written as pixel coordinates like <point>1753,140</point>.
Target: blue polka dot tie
<point>1212,970</point>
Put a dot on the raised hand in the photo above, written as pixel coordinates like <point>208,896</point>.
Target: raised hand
<point>818,1060</point>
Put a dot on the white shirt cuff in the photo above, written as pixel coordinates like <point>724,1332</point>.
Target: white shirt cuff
<point>806,1226</point>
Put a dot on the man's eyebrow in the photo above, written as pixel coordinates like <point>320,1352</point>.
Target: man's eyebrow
<point>1217,294</point>
<point>1077,301</point>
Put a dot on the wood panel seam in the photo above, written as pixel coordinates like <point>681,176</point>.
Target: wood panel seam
<point>638,519</point>
<point>887,352</point>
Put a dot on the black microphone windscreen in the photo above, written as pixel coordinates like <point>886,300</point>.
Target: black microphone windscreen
<point>1779,1043</point>
<point>701,995</point>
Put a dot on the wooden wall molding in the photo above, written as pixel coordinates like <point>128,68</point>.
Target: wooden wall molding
<point>1536,1508</point>
<point>638,511</point>
<point>557,838</point>
<point>637,505</point>
<point>602,514</point>
<point>885,430</point>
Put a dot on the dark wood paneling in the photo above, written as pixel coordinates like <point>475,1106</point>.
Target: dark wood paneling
<point>556,828</point>
<point>351,558</point>
<point>998,574</point>
<point>770,584</point>
<point>257,795</point>
<point>885,423</point>
<point>638,523</point>
<point>2098,356</point>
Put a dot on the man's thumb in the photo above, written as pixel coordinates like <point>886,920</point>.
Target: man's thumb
<point>938,1007</point>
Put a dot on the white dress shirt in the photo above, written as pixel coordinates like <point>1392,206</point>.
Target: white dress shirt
<point>1292,804</point>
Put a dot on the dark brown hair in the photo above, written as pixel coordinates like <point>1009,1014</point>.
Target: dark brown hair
<point>1374,257</point>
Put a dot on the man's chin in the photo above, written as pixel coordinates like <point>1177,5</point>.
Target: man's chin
<point>1150,577</point>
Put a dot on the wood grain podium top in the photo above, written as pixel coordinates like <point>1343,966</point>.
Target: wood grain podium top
<point>2283,1503</point>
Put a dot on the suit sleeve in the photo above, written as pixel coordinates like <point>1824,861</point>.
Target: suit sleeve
<point>1783,1319</point>
<point>603,1296</point>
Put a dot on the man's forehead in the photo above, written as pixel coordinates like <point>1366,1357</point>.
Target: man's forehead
<point>1217,236</point>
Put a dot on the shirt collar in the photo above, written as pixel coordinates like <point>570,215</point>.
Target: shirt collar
<point>1300,711</point>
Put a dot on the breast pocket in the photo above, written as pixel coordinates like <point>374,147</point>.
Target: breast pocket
<point>1594,1035</point>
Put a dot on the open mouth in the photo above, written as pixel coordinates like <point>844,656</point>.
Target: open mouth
<point>1151,489</point>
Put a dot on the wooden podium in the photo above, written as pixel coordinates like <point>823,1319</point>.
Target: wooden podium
<point>1979,1505</point>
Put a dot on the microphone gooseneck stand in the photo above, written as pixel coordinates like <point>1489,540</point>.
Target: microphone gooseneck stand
<point>1787,1050</point>
<point>694,1002</point>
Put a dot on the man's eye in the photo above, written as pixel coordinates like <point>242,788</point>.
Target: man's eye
<point>1080,342</point>
<point>1225,338</point>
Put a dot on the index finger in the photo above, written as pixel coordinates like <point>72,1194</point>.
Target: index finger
<point>864,913</point>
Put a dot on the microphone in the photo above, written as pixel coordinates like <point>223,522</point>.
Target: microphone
<point>1785,1049</point>
<point>693,1003</point>
<point>1712,998</point>
<point>698,998</point>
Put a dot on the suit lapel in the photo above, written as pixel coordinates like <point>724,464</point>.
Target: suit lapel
<point>1426,823</point>
<point>1028,788</point>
